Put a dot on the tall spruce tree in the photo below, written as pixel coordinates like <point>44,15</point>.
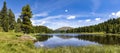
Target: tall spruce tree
<point>0,22</point>
<point>4,18</point>
<point>11,20</point>
<point>0,18</point>
<point>18,25</point>
<point>26,14</point>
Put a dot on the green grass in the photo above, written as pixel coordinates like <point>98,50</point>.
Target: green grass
<point>9,43</point>
<point>9,34</point>
<point>28,47</point>
<point>93,33</point>
<point>100,33</point>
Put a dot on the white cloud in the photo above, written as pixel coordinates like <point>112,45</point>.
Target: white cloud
<point>38,22</point>
<point>66,10</point>
<point>53,22</point>
<point>88,20</point>
<point>40,14</point>
<point>43,22</point>
<point>17,15</point>
<point>118,14</point>
<point>71,17</point>
<point>52,17</point>
<point>80,20</point>
<point>115,15</point>
<point>97,19</point>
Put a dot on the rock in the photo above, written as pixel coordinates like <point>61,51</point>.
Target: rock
<point>27,37</point>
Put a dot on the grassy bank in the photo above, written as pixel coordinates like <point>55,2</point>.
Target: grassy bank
<point>16,46</point>
<point>9,43</point>
<point>99,33</point>
<point>8,35</point>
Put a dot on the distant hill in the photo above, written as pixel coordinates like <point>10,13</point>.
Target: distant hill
<point>64,28</point>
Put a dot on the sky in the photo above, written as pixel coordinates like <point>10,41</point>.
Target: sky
<point>73,13</point>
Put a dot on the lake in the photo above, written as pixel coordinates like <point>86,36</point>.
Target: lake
<point>61,40</point>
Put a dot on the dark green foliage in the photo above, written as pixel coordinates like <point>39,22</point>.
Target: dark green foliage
<point>26,25</point>
<point>19,21</point>
<point>4,18</point>
<point>26,11</point>
<point>42,29</point>
<point>106,39</point>
<point>26,14</point>
<point>7,19</point>
<point>11,20</point>
<point>110,26</point>
<point>0,18</point>
<point>5,24</point>
<point>18,25</point>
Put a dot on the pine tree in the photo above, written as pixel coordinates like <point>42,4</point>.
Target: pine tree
<point>18,25</point>
<point>0,18</point>
<point>19,21</point>
<point>11,20</point>
<point>4,18</point>
<point>0,22</point>
<point>26,22</point>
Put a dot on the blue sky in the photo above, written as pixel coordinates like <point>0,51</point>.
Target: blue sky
<point>74,13</point>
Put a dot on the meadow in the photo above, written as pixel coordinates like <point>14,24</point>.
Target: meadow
<point>10,43</point>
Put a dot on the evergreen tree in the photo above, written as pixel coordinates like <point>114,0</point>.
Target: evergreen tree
<point>19,21</point>
<point>110,26</point>
<point>11,20</point>
<point>0,18</point>
<point>4,18</point>
<point>1,29</point>
<point>42,29</point>
<point>26,22</point>
<point>18,25</point>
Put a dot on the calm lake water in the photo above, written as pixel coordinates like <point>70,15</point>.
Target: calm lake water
<point>61,40</point>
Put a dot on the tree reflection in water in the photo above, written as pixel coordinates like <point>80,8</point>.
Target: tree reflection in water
<point>43,37</point>
<point>106,39</point>
<point>101,39</point>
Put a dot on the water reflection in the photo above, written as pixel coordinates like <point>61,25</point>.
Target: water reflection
<point>43,37</point>
<point>106,39</point>
<point>58,40</point>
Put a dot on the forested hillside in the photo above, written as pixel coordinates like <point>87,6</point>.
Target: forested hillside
<point>110,26</point>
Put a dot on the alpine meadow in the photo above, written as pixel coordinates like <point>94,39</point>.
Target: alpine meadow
<point>59,26</point>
